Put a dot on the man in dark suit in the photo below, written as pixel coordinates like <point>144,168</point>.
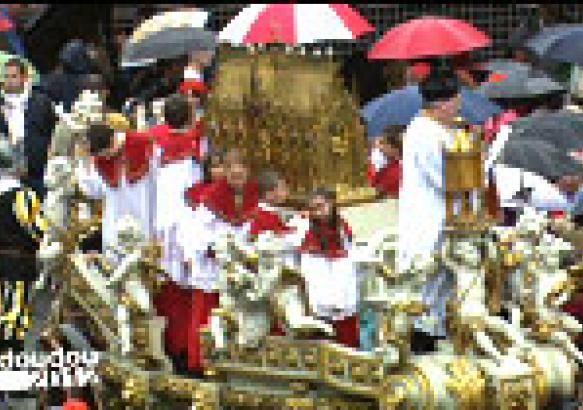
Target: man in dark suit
<point>27,119</point>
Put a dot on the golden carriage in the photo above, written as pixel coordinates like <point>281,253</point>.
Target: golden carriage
<point>292,114</point>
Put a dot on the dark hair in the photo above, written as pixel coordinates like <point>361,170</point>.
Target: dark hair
<point>334,222</point>
<point>215,156</point>
<point>234,155</point>
<point>100,137</point>
<point>267,181</point>
<point>17,62</point>
<point>94,82</point>
<point>176,111</point>
<point>441,85</point>
<point>393,136</point>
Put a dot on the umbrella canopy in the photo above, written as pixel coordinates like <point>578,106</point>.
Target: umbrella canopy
<point>501,65</point>
<point>427,37</point>
<point>10,42</point>
<point>167,44</point>
<point>564,130</point>
<point>294,24</point>
<point>170,19</point>
<point>560,43</point>
<point>401,106</point>
<point>539,157</point>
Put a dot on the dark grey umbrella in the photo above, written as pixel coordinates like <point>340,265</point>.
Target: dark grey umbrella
<point>563,130</point>
<point>167,44</point>
<point>521,83</point>
<point>506,66</point>
<point>559,43</point>
<point>539,157</point>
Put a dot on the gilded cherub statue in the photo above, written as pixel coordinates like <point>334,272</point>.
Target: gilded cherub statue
<point>253,286</point>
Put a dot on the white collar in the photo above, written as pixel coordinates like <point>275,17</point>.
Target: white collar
<point>268,208</point>
<point>21,97</point>
<point>7,183</point>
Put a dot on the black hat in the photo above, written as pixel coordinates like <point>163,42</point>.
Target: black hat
<point>441,85</point>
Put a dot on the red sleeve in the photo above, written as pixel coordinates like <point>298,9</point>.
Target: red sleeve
<point>347,230</point>
<point>195,193</point>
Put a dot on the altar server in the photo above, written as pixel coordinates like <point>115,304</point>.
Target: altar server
<point>118,171</point>
<point>224,207</point>
<point>179,156</point>
<point>328,270</point>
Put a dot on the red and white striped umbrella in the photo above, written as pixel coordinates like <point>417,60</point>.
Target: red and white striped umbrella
<point>294,24</point>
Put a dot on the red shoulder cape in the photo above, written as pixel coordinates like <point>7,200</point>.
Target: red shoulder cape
<point>220,199</point>
<point>311,244</point>
<point>134,158</point>
<point>177,146</point>
<point>195,193</point>
<point>263,221</point>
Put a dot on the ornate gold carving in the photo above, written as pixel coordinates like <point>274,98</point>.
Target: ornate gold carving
<point>467,384</point>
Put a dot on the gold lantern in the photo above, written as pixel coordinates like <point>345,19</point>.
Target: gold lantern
<point>464,181</point>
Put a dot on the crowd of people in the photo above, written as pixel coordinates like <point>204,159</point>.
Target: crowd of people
<point>154,162</point>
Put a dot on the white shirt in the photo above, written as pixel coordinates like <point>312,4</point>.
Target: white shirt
<point>378,159</point>
<point>7,183</point>
<point>14,109</point>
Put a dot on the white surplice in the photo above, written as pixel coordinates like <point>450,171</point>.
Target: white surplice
<point>422,194</point>
<point>196,233</point>
<point>332,284</point>
<point>134,199</point>
<point>172,180</point>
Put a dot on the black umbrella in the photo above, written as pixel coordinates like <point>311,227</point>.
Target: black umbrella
<point>539,157</point>
<point>167,44</point>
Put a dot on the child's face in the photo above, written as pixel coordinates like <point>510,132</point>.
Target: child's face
<point>217,171</point>
<point>280,193</point>
<point>320,208</point>
<point>237,175</point>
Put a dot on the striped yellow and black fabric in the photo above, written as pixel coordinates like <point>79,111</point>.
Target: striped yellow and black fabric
<point>27,209</point>
<point>15,315</point>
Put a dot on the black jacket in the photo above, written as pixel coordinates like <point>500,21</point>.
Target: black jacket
<point>39,122</point>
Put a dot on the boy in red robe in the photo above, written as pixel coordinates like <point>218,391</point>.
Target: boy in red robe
<point>329,272</point>
<point>179,151</point>
<point>224,207</point>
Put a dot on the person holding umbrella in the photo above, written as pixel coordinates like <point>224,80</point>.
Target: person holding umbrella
<point>422,196</point>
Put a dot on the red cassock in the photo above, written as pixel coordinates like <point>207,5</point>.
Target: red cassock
<point>219,198</point>
<point>388,180</point>
<point>348,328</point>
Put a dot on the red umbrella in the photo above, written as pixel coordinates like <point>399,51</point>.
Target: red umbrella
<point>427,37</point>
